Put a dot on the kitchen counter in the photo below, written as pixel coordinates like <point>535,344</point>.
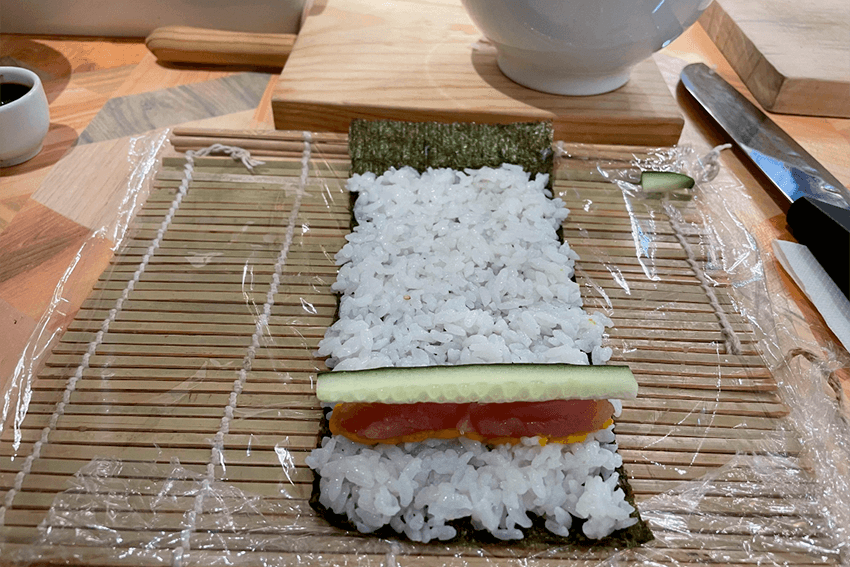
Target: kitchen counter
<point>108,95</point>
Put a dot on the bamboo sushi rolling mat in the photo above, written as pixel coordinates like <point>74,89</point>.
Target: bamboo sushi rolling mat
<point>175,377</point>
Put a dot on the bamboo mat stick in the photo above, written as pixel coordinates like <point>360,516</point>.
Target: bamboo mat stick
<point>216,193</point>
<point>638,267</point>
<point>232,135</point>
<point>622,238</point>
<point>271,179</point>
<point>719,371</point>
<point>219,353</point>
<point>745,489</point>
<point>757,409</point>
<point>114,339</point>
<point>704,325</point>
<point>291,297</point>
<point>690,358</point>
<point>271,409</point>
<point>228,214</point>
<point>635,304</point>
<point>602,152</point>
<point>200,311</point>
<point>608,281</point>
<point>302,325</point>
<point>300,358</point>
<point>704,337</point>
<point>165,284</point>
<point>262,234</point>
<point>638,318</point>
<point>297,315</point>
<point>317,270</point>
<point>722,384</point>
<point>193,256</point>
<point>679,345</point>
<point>318,169</point>
<point>261,147</point>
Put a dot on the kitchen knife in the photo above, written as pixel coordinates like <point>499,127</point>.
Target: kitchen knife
<point>819,215</point>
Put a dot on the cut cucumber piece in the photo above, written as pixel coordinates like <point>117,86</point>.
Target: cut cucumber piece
<point>665,181</point>
<point>484,383</point>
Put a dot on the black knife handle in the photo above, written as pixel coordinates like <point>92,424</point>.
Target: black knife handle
<point>825,229</point>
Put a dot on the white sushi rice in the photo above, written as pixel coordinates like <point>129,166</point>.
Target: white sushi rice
<point>453,267</point>
<point>449,267</point>
<point>417,488</point>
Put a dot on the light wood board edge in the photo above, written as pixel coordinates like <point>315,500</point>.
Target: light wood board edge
<point>774,91</point>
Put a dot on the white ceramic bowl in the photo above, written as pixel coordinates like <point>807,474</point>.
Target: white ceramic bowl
<point>579,47</point>
<point>23,122</point>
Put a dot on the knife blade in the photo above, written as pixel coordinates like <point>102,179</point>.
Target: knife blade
<point>819,214</point>
<point>788,166</point>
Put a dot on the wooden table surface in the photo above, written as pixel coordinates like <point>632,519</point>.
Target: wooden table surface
<point>110,100</point>
<point>104,93</point>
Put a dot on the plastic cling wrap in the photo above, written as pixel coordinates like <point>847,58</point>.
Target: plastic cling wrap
<point>167,421</point>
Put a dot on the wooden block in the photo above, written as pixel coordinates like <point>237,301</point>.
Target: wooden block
<point>361,59</point>
<point>794,60</point>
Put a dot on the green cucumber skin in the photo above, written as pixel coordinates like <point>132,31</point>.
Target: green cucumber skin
<point>665,181</point>
<point>489,383</point>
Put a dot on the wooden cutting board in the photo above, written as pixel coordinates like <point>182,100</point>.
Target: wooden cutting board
<point>412,60</point>
<point>794,57</point>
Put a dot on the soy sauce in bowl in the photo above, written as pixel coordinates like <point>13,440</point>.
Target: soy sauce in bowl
<point>10,92</point>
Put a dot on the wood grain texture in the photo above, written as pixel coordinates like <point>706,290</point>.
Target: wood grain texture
<point>14,343</point>
<point>142,112</point>
<point>794,59</point>
<point>79,75</point>
<point>428,62</point>
<point>150,75</point>
<point>91,182</point>
<point>38,234</point>
<point>60,252</point>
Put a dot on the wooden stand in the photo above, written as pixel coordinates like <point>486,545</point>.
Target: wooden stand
<point>406,61</point>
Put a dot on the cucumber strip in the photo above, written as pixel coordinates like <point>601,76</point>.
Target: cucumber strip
<point>665,181</point>
<point>484,383</point>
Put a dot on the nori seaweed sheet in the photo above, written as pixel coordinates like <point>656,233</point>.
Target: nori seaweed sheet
<point>377,146</point>
<point>536,535</point>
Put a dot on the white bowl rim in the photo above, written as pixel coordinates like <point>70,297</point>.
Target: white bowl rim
<point>36,83</point>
